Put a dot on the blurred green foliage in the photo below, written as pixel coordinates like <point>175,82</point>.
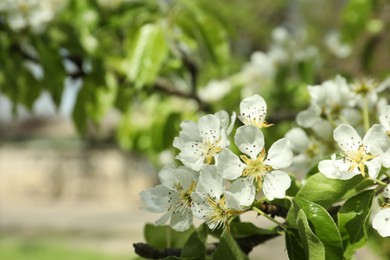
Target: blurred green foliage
<point>148,60</point>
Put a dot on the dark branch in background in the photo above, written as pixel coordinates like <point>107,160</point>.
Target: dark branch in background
<point>166,87</point>
<point>246,244</point>
<point>272,209</point>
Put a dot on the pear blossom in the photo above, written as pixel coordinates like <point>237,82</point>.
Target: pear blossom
<point>381,221</point>
<point>332,99</point>
<point>199,143</point>
<point>260,168</point>
<point>215,90</point>
<point>357,154</point>
<point>172,196</point>
<point>307,150</point>
<point>368,89</point>
<point>216,205</point>
<point>253,111</point>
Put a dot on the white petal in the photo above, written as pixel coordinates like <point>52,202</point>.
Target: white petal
<point>170,177</point>
<point>244,191</point>
<point>323,129</point>
<point>375,139</point>
<point>280,154</point>
<point>226,122</point>
<point>381,222</point>
<point>200,207</point>
<point>386,159</point>
<point>384,118</point>
<point>229,165</point>
<point>210,128</point>
<point>253,108</point>
<point>156,199</point>
<point>231,201</point>
<point>250,140</point>
<point>163,219</point>
<point>309,117</point>
<point>181,220</point>
<point>374,166</point>
<point>336,169</point>
<point>298,139</point>
<point>192,156</point>
<point>211,182</point>
<point>275,184</point>
<point>347,138</point>
<point>189,132</point>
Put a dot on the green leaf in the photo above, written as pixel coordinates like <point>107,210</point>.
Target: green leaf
<point>313,246</point>
<point>355,18</point>
<point>323,227</point>
<point>353,221</point>
<point>147,55</point>
<point>294,246</point>
<point>162,237</point>
<point>325,191</point>
<point>228,248</point>
<point>244,229</point>
<point>196,244</point>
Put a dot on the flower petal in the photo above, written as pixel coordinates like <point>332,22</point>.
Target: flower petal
<point>336,169</point>
<point>347,138</point>
<point>374,166</point>
<point>375,139</point>
<point>210,128</point>
<point>156,199</point>
<point>381,222</point>
<point>280,154</point>
<point>250,140</point>
<point>181,220</point>
<point>244,191</point>
<point>229,165</point>
<point>298,139</point>
<point>210,181</point>
<point>231,201</point>
<point>275,184</point>
<point>384,117</point>
<point>309,117</point>
<point>253,110</point>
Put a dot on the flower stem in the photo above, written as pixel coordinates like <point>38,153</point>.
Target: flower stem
<point>366,117</point>
<point>269,218</point>
<point>380,182</point>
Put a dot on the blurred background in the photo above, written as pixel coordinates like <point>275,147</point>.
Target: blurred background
<point>92,94</point>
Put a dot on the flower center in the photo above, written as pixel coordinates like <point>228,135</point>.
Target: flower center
<point>358,159</point>
<point>220,213</point>
<point>256,168</point>
<point>210,149</point>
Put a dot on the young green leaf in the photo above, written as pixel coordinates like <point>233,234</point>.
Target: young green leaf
<point>323,227</point>
<point>325,191</point>
<point>162,237</point>
<point>294,245</point>
<point>196,244</point>
<point>353,221</point>
<point>228,248</point>
<point>313,246</point>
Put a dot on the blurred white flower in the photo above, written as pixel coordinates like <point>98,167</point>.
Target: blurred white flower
<point>261,169</point>
<point>381,222</point>
<point>199,143</point>
<point>215,90</point>
<point>172,196</point>
<point>216,205</point>
<point>357,153</point>
<point>336,46</point>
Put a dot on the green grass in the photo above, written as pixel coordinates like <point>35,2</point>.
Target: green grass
<point>22,249</point>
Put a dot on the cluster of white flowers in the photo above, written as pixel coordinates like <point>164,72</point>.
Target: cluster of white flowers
<point>35,14</point>
<point>215,184</point>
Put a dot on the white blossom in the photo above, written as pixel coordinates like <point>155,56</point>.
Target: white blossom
<point>215,90</point>
<point>172,196</point>
<point>253,111</point>
<point>384,118</point>
<point>216,205</point>
<point>199,143</point>
<point>357,154</point>
<point>381,222</point>
<point>260,168</point>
